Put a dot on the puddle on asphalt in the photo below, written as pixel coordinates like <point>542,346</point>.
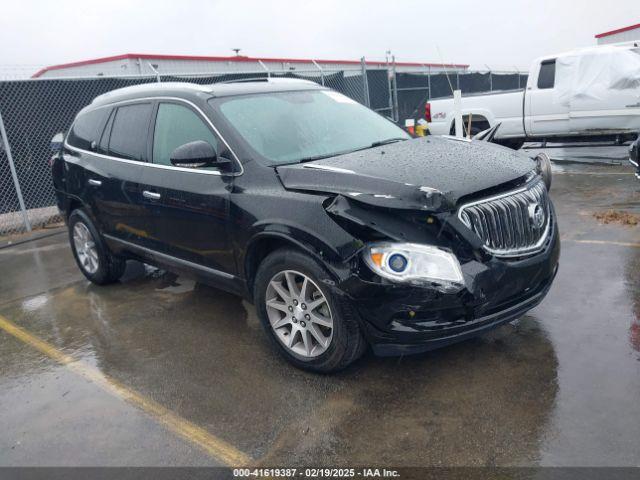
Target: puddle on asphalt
<point>35,303</point>
<point>425,409</point>
<point>28,250</point>
<point>163,281</point>
<point>632,284</point>
<point>559,387</point>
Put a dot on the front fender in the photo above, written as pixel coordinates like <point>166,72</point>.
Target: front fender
<point>270,235</point>
<point>312,242</point>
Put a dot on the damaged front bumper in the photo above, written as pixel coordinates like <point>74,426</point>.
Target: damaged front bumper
<point>400,319</point>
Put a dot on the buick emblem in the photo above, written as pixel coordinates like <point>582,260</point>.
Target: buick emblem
<point>536,215</point>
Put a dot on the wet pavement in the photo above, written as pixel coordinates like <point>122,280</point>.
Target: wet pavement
<point>559,387</point>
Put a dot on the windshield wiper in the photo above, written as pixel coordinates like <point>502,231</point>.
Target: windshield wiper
<point>386,142</point>
<point>320,157</point>
<point>344,152</point>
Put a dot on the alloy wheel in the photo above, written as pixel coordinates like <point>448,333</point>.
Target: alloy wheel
<point>85,247</point>
<point>299,314</point>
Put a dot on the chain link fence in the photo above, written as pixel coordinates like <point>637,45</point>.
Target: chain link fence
<point>33,111</point>
<point>415,89</point>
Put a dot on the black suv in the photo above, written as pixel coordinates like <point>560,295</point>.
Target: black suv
<point>342,229</point>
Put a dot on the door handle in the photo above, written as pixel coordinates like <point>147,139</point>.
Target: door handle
<point>150,195</point>
<point>94,182</point>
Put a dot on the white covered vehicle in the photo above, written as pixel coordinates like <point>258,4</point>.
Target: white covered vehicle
<point>586,94</point>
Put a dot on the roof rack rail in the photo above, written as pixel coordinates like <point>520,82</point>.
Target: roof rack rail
<point>243,80</point>
<point>270,80</point>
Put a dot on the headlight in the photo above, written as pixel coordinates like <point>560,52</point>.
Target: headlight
<point>543,168</point>
<point>413,263</point>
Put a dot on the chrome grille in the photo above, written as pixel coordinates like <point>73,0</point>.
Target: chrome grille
<point>511,224</point>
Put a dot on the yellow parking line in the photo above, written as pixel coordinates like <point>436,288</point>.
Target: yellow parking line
<point>214,446</point>
<point>603,242</point>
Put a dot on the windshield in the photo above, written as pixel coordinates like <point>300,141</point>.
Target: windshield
<point>292,127</point>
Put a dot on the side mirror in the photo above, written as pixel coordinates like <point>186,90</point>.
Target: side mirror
<point>197,154</point>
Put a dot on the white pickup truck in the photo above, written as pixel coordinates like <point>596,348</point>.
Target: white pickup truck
<point>586,94</point>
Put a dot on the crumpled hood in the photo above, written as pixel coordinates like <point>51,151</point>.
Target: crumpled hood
<point>429,173</point>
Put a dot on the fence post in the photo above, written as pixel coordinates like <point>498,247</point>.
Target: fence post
<point>321,72</point>
<point>265,68</point>
<point>457,112</point>
<point>396,110</point>
<point>153,69</point>
<point>389,87</point>
<point>365,82</point>
<point>14,175</point>
<point>429,82</point>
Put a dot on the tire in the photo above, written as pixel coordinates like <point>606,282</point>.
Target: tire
<point>345,342</point>
<point>99,266</point>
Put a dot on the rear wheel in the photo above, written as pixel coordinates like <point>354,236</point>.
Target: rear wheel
<point>309,324</point>
<point>95,261</point>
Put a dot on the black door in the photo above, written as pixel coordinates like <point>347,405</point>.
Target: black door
<point>85,171</point>
<point>190,206</point>
<point>107,149</point>
<point>123,153</point>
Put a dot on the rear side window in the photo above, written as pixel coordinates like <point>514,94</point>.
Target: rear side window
<point>129,131</point>
<point>87,129</point>
<point>547,76</point>
<point>175,126</point>
<point>103,145</point>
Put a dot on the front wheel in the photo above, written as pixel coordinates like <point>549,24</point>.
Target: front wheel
<point>311,326</point>
<point>95,261</point>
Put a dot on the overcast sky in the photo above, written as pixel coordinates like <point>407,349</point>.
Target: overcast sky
<point>501,33</point>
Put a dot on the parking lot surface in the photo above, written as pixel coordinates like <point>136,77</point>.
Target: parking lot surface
<point>159,370</point>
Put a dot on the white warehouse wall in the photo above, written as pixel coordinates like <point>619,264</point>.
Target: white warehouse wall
<point>146,66</point>
<point>626,36</point>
